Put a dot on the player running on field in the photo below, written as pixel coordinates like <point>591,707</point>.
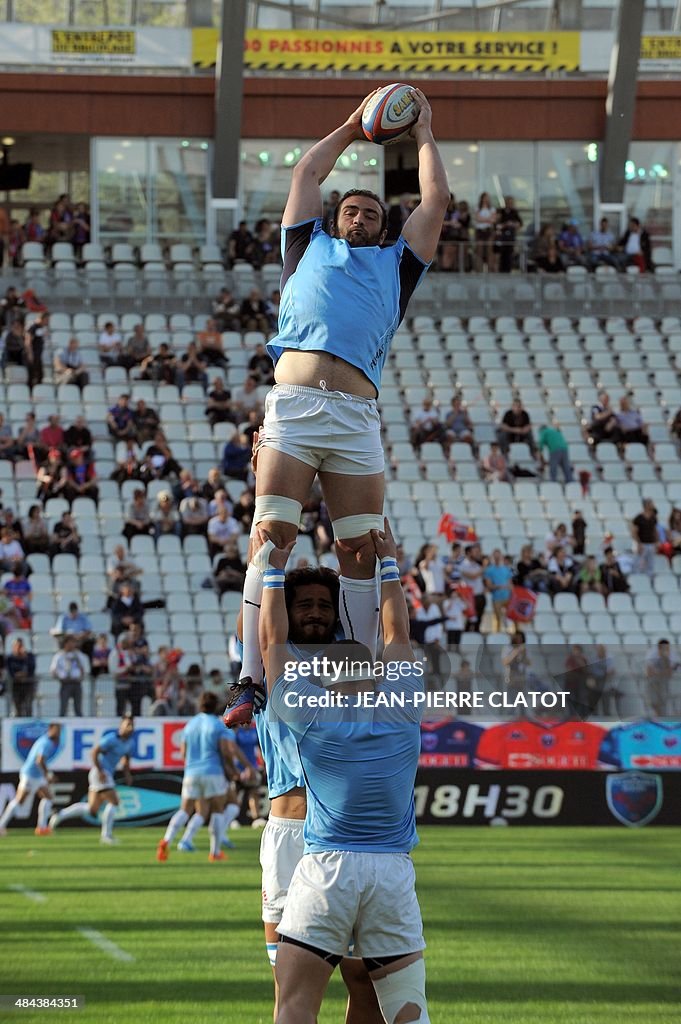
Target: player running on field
<point>34,779</point>
<point>113,751</point>
<point>342,299</point>
<point>207,749</point>
<point>356,879</point>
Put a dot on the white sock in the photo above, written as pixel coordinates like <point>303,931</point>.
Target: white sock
<point>216,828</point>
<point>44,811</point>
<point>178,821</point>
<point>73,811</point>
<point>252,598</point>
<point>359,608</point>
<point>8,812</point>
<point>108,815</point>
<point>230,812</point>
<point>195,823</point>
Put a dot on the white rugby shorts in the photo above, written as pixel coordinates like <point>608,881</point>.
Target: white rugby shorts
<point>337,895</point>
<point>94,782</point>
<point>329,430</point>
<point>203,787</point>
<point>281,847</point>
<point>32,785</point>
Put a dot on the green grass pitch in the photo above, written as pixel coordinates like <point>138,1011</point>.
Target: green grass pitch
<point>524,926</point>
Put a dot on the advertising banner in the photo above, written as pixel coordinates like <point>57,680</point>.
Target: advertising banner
<point>378,50</point>
<point>660,53</point>
<point>42,45</point>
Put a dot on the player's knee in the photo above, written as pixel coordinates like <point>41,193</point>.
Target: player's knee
<point>409,1012</point>
<point>402,994</point>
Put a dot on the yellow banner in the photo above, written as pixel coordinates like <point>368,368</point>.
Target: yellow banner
<point>111,41</point>
<point>661,48</point>
<point>375,50</point>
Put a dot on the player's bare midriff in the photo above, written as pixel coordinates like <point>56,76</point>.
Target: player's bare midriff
<point>307,369</point>
<point>290,805</point>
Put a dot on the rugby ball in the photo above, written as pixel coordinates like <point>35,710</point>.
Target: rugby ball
<point>389,114</point>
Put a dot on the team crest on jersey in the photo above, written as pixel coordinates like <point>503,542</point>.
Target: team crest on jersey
<point>429,741</point>
<point>670,741</point>
<point>634,798</point>
<point>24,735</point>
<point>548,739</point>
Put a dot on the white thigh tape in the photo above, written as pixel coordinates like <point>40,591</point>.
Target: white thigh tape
<point>278,509</point>
<point>356,526</point>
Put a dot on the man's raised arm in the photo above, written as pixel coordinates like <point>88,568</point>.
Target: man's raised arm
<point>422,230</point>
<point>394,613</point>
<point>273,626</point>
<point>305,198</point>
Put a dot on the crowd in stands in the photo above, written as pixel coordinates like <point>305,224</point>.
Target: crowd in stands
<point>65,222</point>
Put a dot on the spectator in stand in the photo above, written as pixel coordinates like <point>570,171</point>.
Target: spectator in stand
<point>18,590</point>
<point>167,682</point>
<point>550,262</point>
<point>555,539</point>
<point>509,222</point>
<point>33,229</point>
<point>28,440</point>
<point>254,312</point>
<point>52,435</point>
<point>561,572</point>
<point>631,426</point>
<point>119,419</point>
<point>11,307</point>
<point>497,579</point>
<point>61,221</point>
<point>244,510</point>
<point>265,244</point>
<point>191,367</point>
<point>230,571</point>
<point>69,667</point>
<point>138,518</point>
<point>675,428</point>
<point>15,243</point>
<point>634,247</point>
<point>160,367</point>
<point>430,618</point>
<point>81,479</point>
<point>214,488</point>
<point>146,422</point>
<point>603,425</point>
<point>194,516</point>
<point>545,240</point>
<point>8,445</point>
<point>516,427</point>
<point>495,466</point>
<point>81,229</point>
<point>601,246</point>
<point>109,343</point>
<point>248,399</point>
<point>485,219</point>
<point>472,570</point>
<point>76,624</point>
<point>125,609</point>
<point>165,516</point>
<point>454,608</point>
<point>13,347</point>
<point>645,534</point>
<point>222,528</point>
<point>78,435</point>
<point>531,570</point>
<point>432,570</point>
<point>551,437</point>
<point>674,531</point>
<point>329,210</point>
<point>128,467</point>
<point>68,365</point>
<point>261,367</point>
<point>272,308</point>
<point>159,462</point>
<point>446,250</point>
<point>226,311</point>
<point>571,246</point>
<point>590,577</point>
<point>187,486</point>
<point>240,245</point>
<point>36,533</point>
<point>219,406</point>
<point>65,539</point>
<point>236,458</point>
<point>35,339</point>
<point>602,685</point>
<point>21,672</point>
<point>452,564</point>
<point>576,681</point>
<point>121,569</point>
<point>661,665</point>
<point>578,528</point>
<point>51,477</point>
<point>210,345</point>
<point>398,215</point>
<point>427,427</point>
<point>99,660</point>
<point>137,349</point>
<point>458,423</point>
<point>133,676</point>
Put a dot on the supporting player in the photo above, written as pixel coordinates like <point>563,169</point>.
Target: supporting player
<point>208,750</point>
<point>355,878</point>
<point>34,779</point>
<point>342,300</point>
<point>312,605</point>
<point>114,750</point>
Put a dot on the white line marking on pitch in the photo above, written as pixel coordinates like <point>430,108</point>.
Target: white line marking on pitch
<point>106,945</point>
<point>30,894</point>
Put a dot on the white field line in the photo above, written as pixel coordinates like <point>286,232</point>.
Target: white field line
<point>106,945</point>
<point>30,894</point>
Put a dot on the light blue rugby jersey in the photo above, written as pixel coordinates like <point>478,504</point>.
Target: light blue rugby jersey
<point>279,750</point>
<point>45,746</point>
<point>344,300</point>
<point>112,748</point>
<point>201,737</point>
<point>359,768</point>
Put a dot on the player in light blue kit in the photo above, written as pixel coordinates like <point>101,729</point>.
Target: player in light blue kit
<point>356,879</point>
<point>342,299</point>
<point>208,750</point>
<point>114,749</point>
<point>34,779</point>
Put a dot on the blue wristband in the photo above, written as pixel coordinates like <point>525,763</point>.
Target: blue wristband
<point>389,570</point>
<point>273,579</point>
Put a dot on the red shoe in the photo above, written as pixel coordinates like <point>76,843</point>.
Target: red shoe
<point>162,850</point>
<point>43,831</point>
<point>213,857</point>
<point>244,699</point>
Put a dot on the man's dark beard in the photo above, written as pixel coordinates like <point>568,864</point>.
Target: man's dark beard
<point>301,638</point>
